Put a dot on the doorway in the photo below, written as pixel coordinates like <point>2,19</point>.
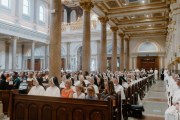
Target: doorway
<point>147,62</point>
<point>36,64</point>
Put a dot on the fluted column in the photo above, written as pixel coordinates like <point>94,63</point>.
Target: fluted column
<point>7,56</point>
<point>98,55</point>
<point>127,53</point>
<point>114,49</point>
<point>103,50</point>
<point>32,54</point>
<point>68,55</point>
<point>121,56</point>
<point>86,42</point>
<point>46,56</point>
<point>55,41</point>
<point>15,38</point>
<point>22,65</point>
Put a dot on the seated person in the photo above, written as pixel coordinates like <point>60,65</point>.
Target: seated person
<point>124,83</point>
<point>7,77</point>
<point>16,80</point>
<point>109,90</point>
<point>30,77</point>
<point>119,88</point>
<point>38,89</point>
<point>53,90</point>
<point>67,92</point>
<point>129,82</point>
<point>95,86</point>
<point>62,85</point>
<point>100,83</point>
<point>2,82</point>
<point>76,81</point>
<point>91,93</point>
<point>79,92</point>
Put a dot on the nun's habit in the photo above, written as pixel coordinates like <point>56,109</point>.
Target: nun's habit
<point>37,90</point>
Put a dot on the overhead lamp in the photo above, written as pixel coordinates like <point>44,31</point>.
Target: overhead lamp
<point>125,4</point>
<point>132,17</point>
<point>147,15</point>
<point>143,1</point>
<point>149,25</point>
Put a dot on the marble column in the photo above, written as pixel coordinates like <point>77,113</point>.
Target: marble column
<point>127,54</point>
<point>114,49</point>
<point>68,56</point>
<point>86,42</point>
<point>46,56</point>
<point>133,62</point>
<point>22,65</point>
<point>55,40</point>
<point>7,56</point>
<point>98,55</point>
<point>32,54</point>
<point>15,38</point>
<point>17,8</point>
<point>121,56</point>
<point>103,49</point>
<point>35,10</point>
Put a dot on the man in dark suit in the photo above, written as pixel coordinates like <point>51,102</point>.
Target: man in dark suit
<point>162,74</point>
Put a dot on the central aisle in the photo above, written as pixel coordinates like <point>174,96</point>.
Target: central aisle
<point>155,102</point>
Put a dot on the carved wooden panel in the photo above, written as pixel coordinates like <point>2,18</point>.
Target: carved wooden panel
<point>19,111</point>
<point>96,115</point>
<point>78,114</point>
<point>62,114</point>
<point>33,112</point>
<point>47,113</point>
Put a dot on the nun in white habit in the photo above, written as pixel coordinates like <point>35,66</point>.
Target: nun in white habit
<point>53,90</point>
<point>38,89</point>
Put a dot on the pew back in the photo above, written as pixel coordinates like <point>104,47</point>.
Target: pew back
<point>27,107</point>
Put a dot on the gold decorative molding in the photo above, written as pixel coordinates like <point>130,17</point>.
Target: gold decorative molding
<point>114,29</point>
<point>103,20</point>
<point>86,5</point>
<point>121,35</point>
<point>126,39</point>
<point>177,59</point>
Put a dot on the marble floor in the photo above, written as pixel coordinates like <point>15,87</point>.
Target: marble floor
<point>155,102</point>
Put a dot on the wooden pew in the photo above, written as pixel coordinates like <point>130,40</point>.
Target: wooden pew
<point>124,106</point>
<point>27,107</point>
<point>129,97</point>
<point>9,87</point>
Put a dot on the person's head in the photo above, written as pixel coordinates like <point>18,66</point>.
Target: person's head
<point>137,75</point>
<point>54,82</point>
<point>2,77</point>
<point>83,83</point>
<point>168,73</point>
<point>132,77</point>
<point>40,74</point>
<point>128,80</point>
<point>176,77</point>
<point>91,91</point>
<point>81,78</point>
<point>30,75</point>
<point>92,80</point>
<point>88,78</point>
<point>79,89</point>
<point>6,74</point>
<point>37,81</point>
<point>109,88</point>
<point>178,82</point>
<point>98,80</point>
<point>68,83</point>
<point>105,79</point>
<point>75,77</point>
<point>115,81</point>
<point>14,74</point>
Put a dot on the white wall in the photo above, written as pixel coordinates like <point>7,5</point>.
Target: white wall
<point>2,52</point>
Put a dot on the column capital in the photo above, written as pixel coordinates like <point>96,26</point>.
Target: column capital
<point>126,39</point>
<point>114,29</point>
<point>46,45</point>
<point>121,35</point>
<point>33,41</point>
<point>15,38</point>
<point>103,20</point>
<point>7,44</point>
<point>68,43</point>
<point>86,5</point>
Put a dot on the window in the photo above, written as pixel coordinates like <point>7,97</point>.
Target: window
<point>73,16</point>
<point>65,16</point>
<point>26,7</point>
<point>41,13</point>
<point>5,3</point>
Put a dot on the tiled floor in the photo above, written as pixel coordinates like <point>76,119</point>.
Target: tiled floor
<point>155,103</point>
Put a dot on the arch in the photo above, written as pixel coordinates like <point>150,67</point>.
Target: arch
<point>37,52</point>
<point>151,43</point>
<point>41,13</point>
<point>73,16</point>
<point>109,48</point>
<point>26,7</point>
<point>65,16</point>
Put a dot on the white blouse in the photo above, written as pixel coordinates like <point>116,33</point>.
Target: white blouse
<point>81,96</point>
<point>62,85</point>
<point>29,79</point>
<point>120,88</point>
<point>76,83</point>
<point>52,92</point>
<point>37,90</point>
<point>125,85</point>
<point>96,88</point>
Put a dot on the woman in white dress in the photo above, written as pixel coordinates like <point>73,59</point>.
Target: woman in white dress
<point>53,90</point>
<point>38,89</point>
<point>79,92</point>
<point>119,88</point>
<point>30,77</point>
